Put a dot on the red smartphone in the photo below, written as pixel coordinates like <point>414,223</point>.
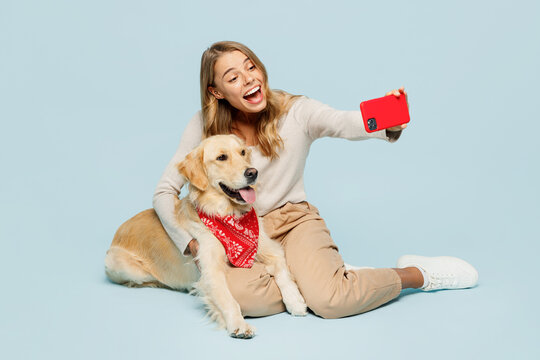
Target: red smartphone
<point>385,112</point>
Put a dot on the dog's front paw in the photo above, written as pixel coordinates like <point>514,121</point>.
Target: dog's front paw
<point>241,330</point>
<point>297,308</point>
<point>294,301</point>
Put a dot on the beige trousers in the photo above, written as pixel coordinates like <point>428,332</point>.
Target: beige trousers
<point>314,262</point>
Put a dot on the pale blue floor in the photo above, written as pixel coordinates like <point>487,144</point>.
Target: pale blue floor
<point>93,100</point>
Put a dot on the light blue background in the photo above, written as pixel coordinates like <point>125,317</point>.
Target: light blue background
<point>94,97</point>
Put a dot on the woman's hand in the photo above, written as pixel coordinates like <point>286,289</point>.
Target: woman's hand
<point>192,248</point>
<point>397,93</point>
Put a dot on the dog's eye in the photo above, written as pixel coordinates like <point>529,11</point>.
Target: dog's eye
<point>243,152</point>
<point>222,157</point>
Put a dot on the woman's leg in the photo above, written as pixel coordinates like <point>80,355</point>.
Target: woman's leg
<point>410,277</point>
<point>255,290</point>
<point>313,259</point>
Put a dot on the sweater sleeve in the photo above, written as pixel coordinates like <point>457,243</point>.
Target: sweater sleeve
<point>171,183</point>
<point>320,120</point>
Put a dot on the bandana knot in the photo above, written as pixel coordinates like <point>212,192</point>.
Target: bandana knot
<point>238,235</point>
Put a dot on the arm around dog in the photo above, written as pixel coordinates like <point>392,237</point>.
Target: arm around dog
<point>171,182</point>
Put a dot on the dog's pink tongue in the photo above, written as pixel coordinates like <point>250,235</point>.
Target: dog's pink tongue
<point>248,195</point>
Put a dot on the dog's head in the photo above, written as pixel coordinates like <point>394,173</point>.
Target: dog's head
<point>221,166</point>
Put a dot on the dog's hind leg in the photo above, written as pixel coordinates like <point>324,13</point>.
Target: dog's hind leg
<point>143,255</point>
<point>125,268</point>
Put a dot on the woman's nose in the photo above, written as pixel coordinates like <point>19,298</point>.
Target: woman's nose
<point>248,78</point>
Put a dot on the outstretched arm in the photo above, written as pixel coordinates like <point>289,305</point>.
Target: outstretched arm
<point>320,120</point>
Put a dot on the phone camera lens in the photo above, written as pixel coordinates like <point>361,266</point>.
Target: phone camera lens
<point>372,124</point>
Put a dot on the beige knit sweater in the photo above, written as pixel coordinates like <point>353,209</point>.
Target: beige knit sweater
<point>280,181</point>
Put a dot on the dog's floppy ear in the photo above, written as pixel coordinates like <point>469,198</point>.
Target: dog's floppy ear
<point>193,170</point>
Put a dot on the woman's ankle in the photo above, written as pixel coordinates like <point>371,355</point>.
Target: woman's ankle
<point>411,277</point>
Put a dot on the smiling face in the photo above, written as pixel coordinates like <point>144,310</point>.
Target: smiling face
<point>239,81</point>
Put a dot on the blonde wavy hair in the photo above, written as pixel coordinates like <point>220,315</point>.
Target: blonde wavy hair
<point>218,114</point>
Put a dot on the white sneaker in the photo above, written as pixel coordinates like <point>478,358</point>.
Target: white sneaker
<point>443,272</point>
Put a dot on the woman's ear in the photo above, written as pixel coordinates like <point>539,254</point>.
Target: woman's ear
<point>192,169</point>
<point>215,93</point>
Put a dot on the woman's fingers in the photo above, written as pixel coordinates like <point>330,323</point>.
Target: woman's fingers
<point>397,92</point>
<point>397,128</point>
<point>193,247</point>
<point>402,91</point>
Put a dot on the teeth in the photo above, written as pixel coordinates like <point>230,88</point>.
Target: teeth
<point>252,91</point>
<point>228,188</point>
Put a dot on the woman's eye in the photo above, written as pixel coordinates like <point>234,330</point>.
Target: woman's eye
<point>233,79</point>
<point>222,157</point>
<point>243,152</point>
<point>252,67</point>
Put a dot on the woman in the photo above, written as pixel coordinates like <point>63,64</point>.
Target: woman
<point>280,128</point>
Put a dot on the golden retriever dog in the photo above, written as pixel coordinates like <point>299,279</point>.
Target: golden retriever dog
<point>220,180</point>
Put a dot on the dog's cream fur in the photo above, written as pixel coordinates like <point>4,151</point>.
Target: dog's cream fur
<point>142,254</point>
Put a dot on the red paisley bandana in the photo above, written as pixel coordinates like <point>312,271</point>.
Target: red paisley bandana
<point>239,236</point>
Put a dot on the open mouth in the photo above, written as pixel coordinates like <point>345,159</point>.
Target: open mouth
<point>254,96</point>
<point>246,194</point>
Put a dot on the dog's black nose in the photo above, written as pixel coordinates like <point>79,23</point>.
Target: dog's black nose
<point>251,174</point>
